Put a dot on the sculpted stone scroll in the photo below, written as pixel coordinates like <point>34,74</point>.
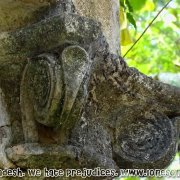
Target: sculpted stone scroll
<point>70,101</point>
<point>52,92</point>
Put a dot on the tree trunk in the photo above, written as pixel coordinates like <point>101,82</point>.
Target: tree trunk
<point>68,100</point>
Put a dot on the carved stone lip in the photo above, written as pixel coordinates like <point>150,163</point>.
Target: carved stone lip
<point>55,156</point>
<point>50,156</point>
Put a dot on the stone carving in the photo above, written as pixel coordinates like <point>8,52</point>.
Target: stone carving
<point>71,101</point>
<point>146,140</point>
<point>49,89</point>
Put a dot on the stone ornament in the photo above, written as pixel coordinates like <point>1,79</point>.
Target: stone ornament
<point>66,99</point>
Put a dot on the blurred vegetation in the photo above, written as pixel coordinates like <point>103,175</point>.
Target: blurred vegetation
<point>159,48</point>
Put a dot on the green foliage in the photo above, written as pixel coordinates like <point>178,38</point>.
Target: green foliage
<point>128,9</point>
<point>129,6</point>
<point>137,6</point>
<point>159,49</point>
<point>131,19</point>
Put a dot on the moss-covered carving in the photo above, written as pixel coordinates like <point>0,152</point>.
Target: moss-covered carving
<point>69,99</point>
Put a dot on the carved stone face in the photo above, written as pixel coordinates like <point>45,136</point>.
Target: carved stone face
<point>65,98</point>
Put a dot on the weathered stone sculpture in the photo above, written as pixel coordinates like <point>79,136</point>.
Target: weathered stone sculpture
<point>67,100</point>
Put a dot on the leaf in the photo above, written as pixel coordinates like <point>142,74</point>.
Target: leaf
<point>122,4</point>
<point>130,8</point>
<point>125,37</point>
<point>131,19</point>
<point>123,19</point>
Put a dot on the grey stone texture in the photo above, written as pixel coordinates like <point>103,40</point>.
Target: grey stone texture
<point>67,100</point>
